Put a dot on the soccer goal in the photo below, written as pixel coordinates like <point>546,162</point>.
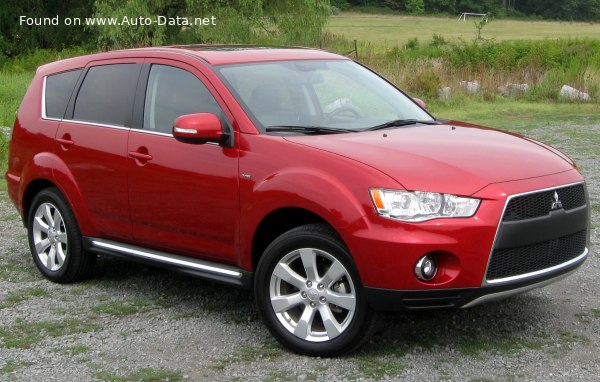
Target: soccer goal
<point>464,15</point>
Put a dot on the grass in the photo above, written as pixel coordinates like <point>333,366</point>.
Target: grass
<point>14,298</point>
<point>565,342</point>
<point>424,54</point>
<point>568,338</point>
<point>246,354</point>
<point>18,270</point>
<point>517,115</point>
<point>476,346</point>
<point>376,367</point>
<point>73,350</point>
<point>24,334</point>
<point>11,365</point>
<point>142,375</point>
<point>392,30</point>
<point>124,308</point>
<point>286,376</point>
<point>12,91</point>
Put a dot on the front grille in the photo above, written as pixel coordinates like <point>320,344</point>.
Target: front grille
<point>521,260</point>
<point>572,197</point>
<point>540,203</point>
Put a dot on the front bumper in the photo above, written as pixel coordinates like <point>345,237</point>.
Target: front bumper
<point>396,300</point>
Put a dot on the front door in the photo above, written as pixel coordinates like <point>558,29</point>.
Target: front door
<point>183,196</point>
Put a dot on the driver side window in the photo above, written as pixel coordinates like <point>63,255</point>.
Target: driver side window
<point>173,92</point>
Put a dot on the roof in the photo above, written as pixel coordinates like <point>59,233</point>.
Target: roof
<point>237,54</point>
<point>212,54</point>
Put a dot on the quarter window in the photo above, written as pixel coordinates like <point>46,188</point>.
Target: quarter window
<point>58,91</point>
<point>173,92</point>
<point>106,95</point>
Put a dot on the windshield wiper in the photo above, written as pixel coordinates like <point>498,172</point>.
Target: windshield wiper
<point>401,122</point>
<point>309,129</point>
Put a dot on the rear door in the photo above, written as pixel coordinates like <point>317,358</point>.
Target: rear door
<point>92,141</point>
<point>183,197</point>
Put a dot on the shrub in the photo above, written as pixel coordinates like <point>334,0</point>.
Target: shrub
<point>438,41</point>
<point>544,65</point>
<point>340,4</point>
<point>30,61</point>
<point>425,83</point>
<point>412,43</point>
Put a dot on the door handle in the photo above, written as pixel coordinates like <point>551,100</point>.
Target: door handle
<point>143,157</point>
<point>65,141</point>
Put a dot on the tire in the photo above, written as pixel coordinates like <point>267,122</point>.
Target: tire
<point>55,240</point>
<point>309,293</point>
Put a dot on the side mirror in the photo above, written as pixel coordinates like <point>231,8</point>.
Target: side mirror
<point>198,128</point>
<point>420,102</point>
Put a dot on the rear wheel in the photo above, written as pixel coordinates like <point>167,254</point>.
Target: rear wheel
<point>310,295</point>
<point>55,240</point>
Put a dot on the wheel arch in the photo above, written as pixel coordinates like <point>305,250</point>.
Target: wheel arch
<point>33,188</point>
<point>48,170</point>
<point>280,221</point>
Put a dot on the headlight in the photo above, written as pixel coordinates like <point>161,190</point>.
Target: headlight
<point>418,206</point>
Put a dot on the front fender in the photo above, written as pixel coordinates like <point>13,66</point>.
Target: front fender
<point>310,189</point>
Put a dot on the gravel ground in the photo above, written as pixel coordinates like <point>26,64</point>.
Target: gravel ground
<point>131,322</point>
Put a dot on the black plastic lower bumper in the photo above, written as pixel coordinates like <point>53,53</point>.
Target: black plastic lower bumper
<point>403,300</point>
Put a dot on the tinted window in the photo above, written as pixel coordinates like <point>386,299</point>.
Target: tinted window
<point>106,95</point>
<point>58,91</point>
<point>173,92</point>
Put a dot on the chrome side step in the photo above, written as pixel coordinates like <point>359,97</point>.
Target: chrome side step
<point>209,270</point>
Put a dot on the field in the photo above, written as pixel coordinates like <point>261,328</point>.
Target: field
<point>391,30</point>
<point>423,54</point>
<point>518,116</point>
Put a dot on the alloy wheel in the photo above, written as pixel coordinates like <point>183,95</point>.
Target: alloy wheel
<point>50,236</point>
<point>312,295</point>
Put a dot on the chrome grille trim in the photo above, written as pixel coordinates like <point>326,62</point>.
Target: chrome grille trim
<point>541,271</point>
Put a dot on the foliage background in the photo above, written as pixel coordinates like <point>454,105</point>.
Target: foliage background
<point>297,22</point>
<point>571,10</point>
<point>238,21</point>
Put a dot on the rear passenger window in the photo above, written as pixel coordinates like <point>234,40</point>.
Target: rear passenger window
<point>58,91</point>
<point>173,92</point>
<point>106,94</point>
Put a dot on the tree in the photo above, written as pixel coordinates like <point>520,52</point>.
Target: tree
<point>440,6</point>
<point>415,7</point>
<point>132,32</point>
<point>18,38</point>
<point>238,21</point>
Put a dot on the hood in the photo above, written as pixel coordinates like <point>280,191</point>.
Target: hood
<point>458,158</point>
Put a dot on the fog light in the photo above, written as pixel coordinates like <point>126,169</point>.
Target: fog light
<point>426,268</point>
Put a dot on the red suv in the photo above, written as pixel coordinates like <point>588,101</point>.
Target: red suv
<point>294,172</point>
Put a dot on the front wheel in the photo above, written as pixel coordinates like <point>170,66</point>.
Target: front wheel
<point>55,239</point>
<point>309,293</point>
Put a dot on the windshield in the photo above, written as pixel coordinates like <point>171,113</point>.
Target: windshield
<point>340,95</point>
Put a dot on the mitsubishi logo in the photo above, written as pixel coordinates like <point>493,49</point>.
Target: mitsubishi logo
<point>556,203</point>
